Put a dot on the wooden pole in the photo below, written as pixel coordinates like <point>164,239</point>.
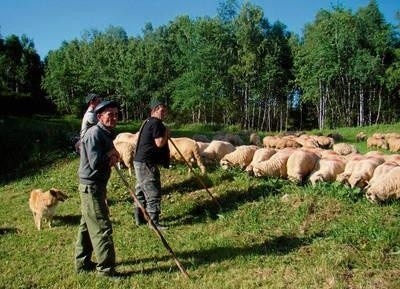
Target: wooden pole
<point>194,173</point>
<point>150,221</point>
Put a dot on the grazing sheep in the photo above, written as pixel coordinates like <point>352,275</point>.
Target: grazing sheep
<point>307,141</point>
<point>270,141</point>
<point>363,171</point>
<point>202,146</point>
<point>393,144</point>
<point>254,139</point>
<point>216,150</point>
<point>343,178</point>
<point>326,169</point>
<point>201,138</point>
<point>380,171</point>
<point>125,144</point>
<point>344,148</point>
<point>300,164</point>
<point>241,157</point>
<point>387,188</point>
<point>275,166</point>
<point>189,150</point>
<point>377,142</point>
<point>287,142</point>
<point>229,137</point>
<point>261,154</point>
<point>324,142</point>
<point>361,136</point>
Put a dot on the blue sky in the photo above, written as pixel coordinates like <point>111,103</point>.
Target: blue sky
<point>50,22</point>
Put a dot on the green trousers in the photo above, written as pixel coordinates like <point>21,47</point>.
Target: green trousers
<point>95,230</point>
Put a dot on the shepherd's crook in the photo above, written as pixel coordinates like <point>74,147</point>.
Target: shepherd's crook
<point>194,173</point>
<point>148,219</point>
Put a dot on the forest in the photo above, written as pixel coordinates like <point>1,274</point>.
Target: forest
<point>236,68</point>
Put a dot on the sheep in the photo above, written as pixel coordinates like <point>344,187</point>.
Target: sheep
<point>202,146</point>
<point>201,138</point>
<point>229,137</point>
<point>326,169</point>
<point>269,141</point>
<point>216,150</point>
<point>377,142</point>
<point>387,188</point>
<point>361,136</point>
<point>307,141</point>
<point>324,141</point>
<point>275,166</point>
<point>363,171</point>
<point>127,137</point>
<point>261,154</point>
<point>254,139</point>
<point>189,150</point>
<point>286,142</point>
<point>240,157</point>
<point>380,171</point>
<point>343,177</point>
<point>300,164</point>
<point>393,144</point>
<point>125,144</point>
<point>344,148</point>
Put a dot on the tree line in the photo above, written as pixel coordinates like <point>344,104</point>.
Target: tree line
<point>234,69</point>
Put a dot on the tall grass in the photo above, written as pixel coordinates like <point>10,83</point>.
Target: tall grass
<point>270,234</point>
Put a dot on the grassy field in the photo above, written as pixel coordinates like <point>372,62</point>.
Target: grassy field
<point>269,234</point>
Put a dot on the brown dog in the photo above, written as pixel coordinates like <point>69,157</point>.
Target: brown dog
<point>43,205</point>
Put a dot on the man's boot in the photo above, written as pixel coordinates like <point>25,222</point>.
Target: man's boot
<point>155,218</point>
<point>139,218</point>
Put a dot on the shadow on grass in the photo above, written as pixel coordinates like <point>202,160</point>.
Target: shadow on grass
<point>229,201</point>
<point>68,219</point>
<point>278,246</point>
<point>5,231</point>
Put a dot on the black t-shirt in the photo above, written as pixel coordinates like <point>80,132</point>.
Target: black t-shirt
<point>147,151</point>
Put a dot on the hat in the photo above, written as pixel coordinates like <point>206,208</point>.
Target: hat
<point>91,96</point>
<point>156,102</point>
<point>104,104</point>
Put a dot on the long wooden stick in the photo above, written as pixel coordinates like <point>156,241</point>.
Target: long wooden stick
<point>150,221</point>
<point>194,173</point>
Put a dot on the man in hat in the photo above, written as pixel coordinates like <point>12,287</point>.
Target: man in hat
<point>98,155</point>
<point>89,118</point>
<point>151,151</point>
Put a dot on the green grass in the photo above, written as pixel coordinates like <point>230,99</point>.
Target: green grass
<point>270,234</point>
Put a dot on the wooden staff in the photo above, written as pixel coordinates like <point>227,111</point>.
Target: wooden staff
<point>194,173</point>
<point>150,221</point>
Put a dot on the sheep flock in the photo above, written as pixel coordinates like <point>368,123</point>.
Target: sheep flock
<point>298,157</point>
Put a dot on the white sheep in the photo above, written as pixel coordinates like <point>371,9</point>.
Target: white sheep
<point>344,148</point>
<point>188,149</point>
<point>377,142</point>
<point>202,146</point>
<point>380,171</point>
<point>270,141</point>
<point>125,143</point>
<point>241,157</point>
<point>363,171</point>
<point>326,169</point>
<point>275,166</point>
<point>216,150</point>
<point>343,177</point>
<point>393,143</point>
<point>300,164</point>
<point>262,154</point>
<point>387,188</point>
